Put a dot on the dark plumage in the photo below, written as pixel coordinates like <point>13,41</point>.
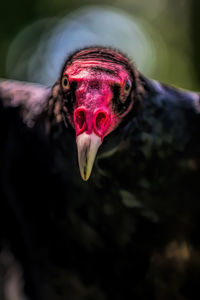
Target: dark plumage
<point>132,230</point>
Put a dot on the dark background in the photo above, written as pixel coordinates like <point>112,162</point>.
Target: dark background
<point>171,26</point>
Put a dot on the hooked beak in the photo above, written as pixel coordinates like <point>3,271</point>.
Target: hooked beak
<point>87,145</point>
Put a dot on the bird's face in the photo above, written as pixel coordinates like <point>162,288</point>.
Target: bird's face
<point>97,95</point>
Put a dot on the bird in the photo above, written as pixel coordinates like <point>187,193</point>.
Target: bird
<point>129,224</point>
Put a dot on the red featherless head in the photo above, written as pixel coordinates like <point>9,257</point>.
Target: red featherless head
<point>98,89</point>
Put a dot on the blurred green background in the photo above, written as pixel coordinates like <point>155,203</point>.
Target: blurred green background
<point>161,36</point>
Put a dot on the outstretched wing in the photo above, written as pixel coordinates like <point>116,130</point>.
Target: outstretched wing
<point>178,113</point>
<point>169,119</point>
<point>184,99</point>
<point>28,98</point>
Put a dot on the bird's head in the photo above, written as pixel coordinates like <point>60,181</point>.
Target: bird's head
<point>98,87</point>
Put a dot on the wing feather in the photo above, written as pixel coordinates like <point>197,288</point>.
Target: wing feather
<point>30,98</point>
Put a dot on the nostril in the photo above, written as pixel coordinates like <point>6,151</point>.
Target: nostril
<point>80,120</point>
<point>101,120</point>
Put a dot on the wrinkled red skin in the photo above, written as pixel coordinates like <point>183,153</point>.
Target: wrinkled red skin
<point>93,106</point>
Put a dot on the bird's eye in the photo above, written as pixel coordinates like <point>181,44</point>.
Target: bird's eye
<point>127,87</point>
<point>65,83</point>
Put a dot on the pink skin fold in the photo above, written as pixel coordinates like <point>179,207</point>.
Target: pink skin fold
<point>93,116</point>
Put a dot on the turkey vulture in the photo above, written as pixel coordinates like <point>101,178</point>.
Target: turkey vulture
<point>132,229</point>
